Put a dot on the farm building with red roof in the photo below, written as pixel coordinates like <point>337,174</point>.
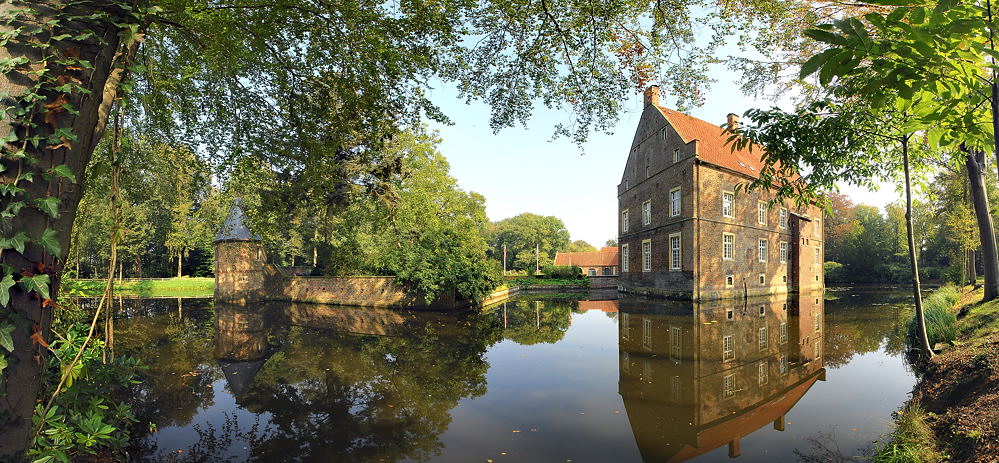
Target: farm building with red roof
<point>689,229</point>
<point>598,263</point>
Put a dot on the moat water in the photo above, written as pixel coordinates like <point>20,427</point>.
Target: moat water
<point>543,378</point>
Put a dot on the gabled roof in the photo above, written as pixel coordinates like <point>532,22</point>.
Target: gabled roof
<point>234,228</point>
<point>711,147</point>
<point>605,257</point>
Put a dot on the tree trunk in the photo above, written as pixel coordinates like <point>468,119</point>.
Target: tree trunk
<point>975,163</point>
<point>138,266</point>
<point>179,267</point>
<point>972,268</point>
<point>22,379</point>
<point>924,342</point>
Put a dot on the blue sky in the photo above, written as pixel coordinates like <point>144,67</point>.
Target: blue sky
<point>524,170</point>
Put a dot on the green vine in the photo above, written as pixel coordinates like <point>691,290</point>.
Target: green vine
<point>38,132</point>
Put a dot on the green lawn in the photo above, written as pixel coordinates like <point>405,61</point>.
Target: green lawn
<point>172,287</point>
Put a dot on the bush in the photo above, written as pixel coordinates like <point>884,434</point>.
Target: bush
<point>563,272</point>
<point>941,323</point>
<point>835,272</point>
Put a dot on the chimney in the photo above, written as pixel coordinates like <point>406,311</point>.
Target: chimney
<point>733,121</point>
<point>652,95</point>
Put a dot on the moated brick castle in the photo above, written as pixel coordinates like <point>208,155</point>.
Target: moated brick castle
<point>686,231</point>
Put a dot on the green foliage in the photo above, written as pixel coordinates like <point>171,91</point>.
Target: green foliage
<point>530,239</point>
<point>912,441</point>
<point>941,321</point>
<point>90,416</point>
<point>580,246</point>
<point>564,272</point>
<point>835,273</point>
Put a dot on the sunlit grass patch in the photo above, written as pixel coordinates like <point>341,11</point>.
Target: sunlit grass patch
<point>912,441</point>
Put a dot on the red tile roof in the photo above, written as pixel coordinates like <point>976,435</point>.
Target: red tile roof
<point>605,257</point>
<point>711,147</point>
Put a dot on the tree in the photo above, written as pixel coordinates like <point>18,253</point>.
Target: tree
<point>611,243</point>
<point>580,246</point>
<point>312,90</point>
<point>531,239</point>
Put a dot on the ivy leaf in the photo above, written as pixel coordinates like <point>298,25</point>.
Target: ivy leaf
<point>15,242</point>
<point>6,341</point>
<point>48,205</point>
<point>37,283</point>
<point>3,363</point>
<point>50,242</point>
<point>62,170</point>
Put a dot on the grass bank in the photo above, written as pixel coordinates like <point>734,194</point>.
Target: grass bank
<point>954,411</point>
<point>549,283</point>
<point>160,287</point>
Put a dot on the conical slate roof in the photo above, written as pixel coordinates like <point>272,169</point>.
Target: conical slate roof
<point>239,375</point>
<point>234,228</point>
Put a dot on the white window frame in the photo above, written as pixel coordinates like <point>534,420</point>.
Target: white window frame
<point>665,134</point>
<point>728,204</point>
<point>646,255</point>
<point>728,348</point>
<point>728,249</point>
<point>782,364</point>
<point>783,333</point>
<point>764,249</point>
<point>764,340</point>
<point>728,385</point>
<point>676,389</point>
<point>676,155</point>
<point>648,170</point>
<point>762,371</point>
<point>675,202</point>
<point>729,278</point>
<point>624,258</point>
<point>818,252</point>
<point>592,272</point>
<point>624,221</point>
<point>817,350</point>
<point>783,252</point>
<point>783,218</point>
<point>625,327</point>
<point>675,252</point>
<point>761,213</point>
<point>817,322</point>
<point>647,212</point>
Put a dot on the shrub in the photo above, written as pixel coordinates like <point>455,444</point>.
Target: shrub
<point>912,441</point>
<point>835,272</point>
<point>563,272</point>
<point>941,323</point>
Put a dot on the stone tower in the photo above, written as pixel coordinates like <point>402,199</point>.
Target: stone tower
<point>240,261</point>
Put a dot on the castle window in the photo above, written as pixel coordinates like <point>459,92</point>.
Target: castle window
<point>817,321</point>
<point>729,281</point>
<point>763,338</point>
<point>783,218</point>
<point>761,370</point>
<point>761,213</point>
<point>728,204</point>
<point>763,311</point>
<point>763,279</point>
<point>665,134</point>
<point>818,255</point>
<point>727,351</point>
<point>818,229</point>
<point>763,250</point>
<point>817,352</point>
<point>674,202</point>
<point>624,258</point>
<point>783,251</point>
<point>647,212</point>
<point>674,252</point>
<point>675,388</point>
<point>646,255</point>
<point>591,272</point>
<point>625,328</point>
<point>676,155</point>
<point>783,332</point>
<point>729,314</point>
<point>624,221</point>
<point>782,361</point>
<point>729,385</point>
<point>728,245</point>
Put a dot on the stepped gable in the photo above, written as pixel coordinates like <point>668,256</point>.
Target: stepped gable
<point>234,228</point>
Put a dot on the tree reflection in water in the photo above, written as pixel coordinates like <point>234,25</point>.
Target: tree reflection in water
<point>332,384</point>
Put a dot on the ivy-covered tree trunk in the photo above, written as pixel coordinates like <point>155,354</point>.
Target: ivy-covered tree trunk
<point>975,163</point>
<point>59,85</point>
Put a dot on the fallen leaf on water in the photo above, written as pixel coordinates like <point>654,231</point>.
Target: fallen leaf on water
<point>516,430</point>
<point>617,412</point>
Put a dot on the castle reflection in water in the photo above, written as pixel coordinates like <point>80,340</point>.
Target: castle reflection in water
<point>693,377</point>
<point>698,376</point>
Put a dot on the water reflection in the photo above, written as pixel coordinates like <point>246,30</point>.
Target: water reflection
<point>697,376</point>
<point>588,380</point>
